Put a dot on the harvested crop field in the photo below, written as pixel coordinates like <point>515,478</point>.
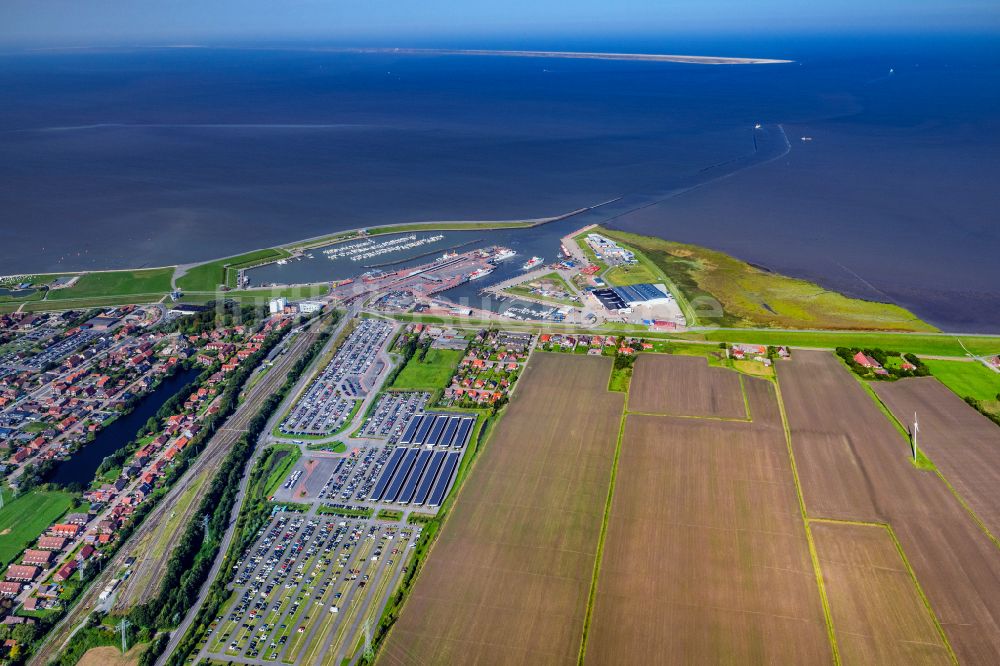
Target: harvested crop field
<point>685,386</point>
<point>877,610</point>
<point>706,558</point>
<point>508,579</point>
<point>963,444</point>
<point>853,464</point>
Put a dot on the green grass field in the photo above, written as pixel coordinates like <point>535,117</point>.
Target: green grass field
<point>634,274</point>
<point>259,296</point>
<point>281,467</point>
<point>522,289</point>
<point>23,519</point>
<point>116,283</point>
<point>924,345</point>
<point>208,276</point>
<point>750,296</point>
<point>969,380</point>
<point>431,373</point>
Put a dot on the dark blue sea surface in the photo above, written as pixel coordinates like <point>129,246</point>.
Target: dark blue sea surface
<point>148,157</point>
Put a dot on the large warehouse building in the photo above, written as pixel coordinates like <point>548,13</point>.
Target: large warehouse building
<point>625,298</point>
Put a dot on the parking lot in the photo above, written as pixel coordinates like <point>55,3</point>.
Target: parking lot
<point>392,413</point>
<point>350,374</point>
<point>305,588</point>
<point>306,479</point>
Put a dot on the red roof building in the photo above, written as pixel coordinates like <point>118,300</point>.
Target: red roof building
<point>22,572</point>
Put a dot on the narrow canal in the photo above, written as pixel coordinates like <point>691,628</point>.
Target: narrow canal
<point>83,465</point>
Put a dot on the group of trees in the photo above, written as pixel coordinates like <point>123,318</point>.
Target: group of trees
<point>891,362</point>
<point>191,561</point>
<point>224,314</point>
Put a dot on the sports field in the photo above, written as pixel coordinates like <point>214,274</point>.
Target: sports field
<point>877,610</point>
<point>706,558</point>
<point>507,581</point>
<point>23,519</point>
<point>432,372</point>
<point>962,443</point>
<point>854,464</point>
<point>685,386</point>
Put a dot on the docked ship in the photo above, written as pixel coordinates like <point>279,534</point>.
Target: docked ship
<point>503,253</point>
<point>479,273</point>
<point>374,276</point>
<point>531,263</point>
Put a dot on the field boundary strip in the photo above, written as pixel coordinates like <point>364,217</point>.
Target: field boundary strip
<point>813,553</point>
<point>909,570</point>
<point>604,530</point>
<point>903,431</point>
<point>727,419</point>
<point>746,398</point>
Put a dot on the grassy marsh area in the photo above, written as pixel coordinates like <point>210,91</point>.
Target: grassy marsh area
<point>750,296</point>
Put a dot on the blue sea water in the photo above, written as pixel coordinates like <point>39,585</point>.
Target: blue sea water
<point>144,157</point>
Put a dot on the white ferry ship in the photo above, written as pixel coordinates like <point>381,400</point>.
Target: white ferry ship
<point>479,273</point>
<point>531,263</point>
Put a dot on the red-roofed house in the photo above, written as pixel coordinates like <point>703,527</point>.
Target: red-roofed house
<point>65,530</point>
<point>51,543</point>
<point>22,572</point>
<point>38,557</point>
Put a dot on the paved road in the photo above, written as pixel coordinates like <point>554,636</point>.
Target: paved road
<point>213,454</point>
<point>178,633</point>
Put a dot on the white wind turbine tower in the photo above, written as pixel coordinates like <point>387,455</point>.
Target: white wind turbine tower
<point>913,436</point>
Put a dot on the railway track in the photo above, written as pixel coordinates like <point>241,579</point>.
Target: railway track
<point>138,589</point>
<point>207,462</point>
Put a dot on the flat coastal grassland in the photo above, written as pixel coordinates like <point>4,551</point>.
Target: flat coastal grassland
<point>753,297</point>
<point>153,281</point>
<point>209,276</point>
<point>706,558</point>
<point>508,579</point>
<point>854,466</point>
<point>923,344</point>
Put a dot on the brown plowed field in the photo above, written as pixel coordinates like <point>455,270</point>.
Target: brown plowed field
<point>854,464</point>
<point>706,558</point>
<point>508,580</point>
<point>684,386</point>
<point>964,444</point>
<point>877,611</point>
